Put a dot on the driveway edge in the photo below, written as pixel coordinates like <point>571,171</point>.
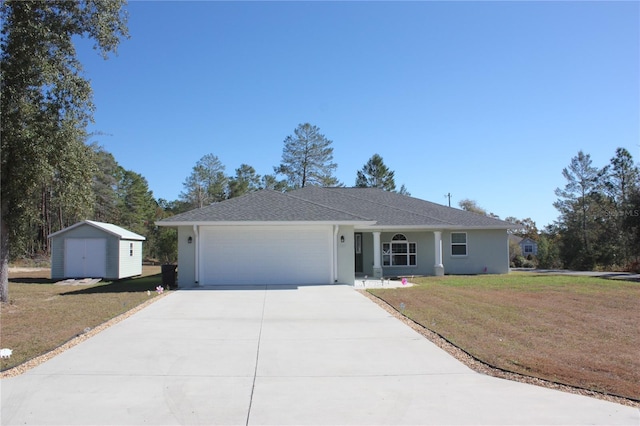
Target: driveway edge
<point>489,370</point>
<point>34,362</point>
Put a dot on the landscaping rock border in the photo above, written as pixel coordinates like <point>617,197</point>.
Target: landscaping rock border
<point>483,368</point>
<point>34,362</point>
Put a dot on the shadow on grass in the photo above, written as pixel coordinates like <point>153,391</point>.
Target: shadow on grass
<point>31,280</point>
<point>133,285</point>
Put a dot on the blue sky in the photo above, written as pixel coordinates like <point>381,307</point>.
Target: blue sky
<point>483,100</point>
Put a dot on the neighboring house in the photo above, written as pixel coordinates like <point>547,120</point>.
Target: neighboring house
<point>527,246</point>
<point>319,235</point>
<point>91,249</point>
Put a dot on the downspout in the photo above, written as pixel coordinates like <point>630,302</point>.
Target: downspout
<point>336,228</point>
<point>196,254</point>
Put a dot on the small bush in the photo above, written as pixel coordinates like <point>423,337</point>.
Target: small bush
<point>634,267</point>
<point>522,262</point>
<point>518,261</point>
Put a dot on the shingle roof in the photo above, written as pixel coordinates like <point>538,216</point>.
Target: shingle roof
<point>265,206</point>
<point>393,209</point>
<point>358,205</point>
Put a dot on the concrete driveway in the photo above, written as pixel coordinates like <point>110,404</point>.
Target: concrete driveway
<point>279,356</point>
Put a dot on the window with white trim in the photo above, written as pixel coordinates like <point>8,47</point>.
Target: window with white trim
<point>399,252</point>
<point>528,248</point>
<point>458,244</point>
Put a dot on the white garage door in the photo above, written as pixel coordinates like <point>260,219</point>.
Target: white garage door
<point>266,255</point>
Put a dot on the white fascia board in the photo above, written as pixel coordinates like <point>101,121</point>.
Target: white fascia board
<point>372,228</point>
<point>62,231</point>
<point>130,236</point>
<point>262,223</point>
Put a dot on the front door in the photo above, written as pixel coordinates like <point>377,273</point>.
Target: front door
<point>358,251</point>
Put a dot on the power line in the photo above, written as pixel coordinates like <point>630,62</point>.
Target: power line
<point>448,195</point>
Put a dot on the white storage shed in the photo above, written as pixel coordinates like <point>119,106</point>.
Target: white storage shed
<point>92,249</point>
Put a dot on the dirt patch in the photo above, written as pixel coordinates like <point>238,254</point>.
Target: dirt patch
<point>20,269</point>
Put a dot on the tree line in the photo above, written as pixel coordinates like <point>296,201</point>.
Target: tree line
<point>92,185</point>
<point>51,177</point>
<point>307,159</point>
<point>598,227</point>
<point>599,222</point>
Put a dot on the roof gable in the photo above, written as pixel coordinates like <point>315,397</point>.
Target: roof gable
<point>109,228</point>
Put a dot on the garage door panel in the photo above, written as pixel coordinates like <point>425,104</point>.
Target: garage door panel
<point>85,257</point>
<point>266,255</point>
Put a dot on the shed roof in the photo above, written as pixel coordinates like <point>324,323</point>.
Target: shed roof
<point>359,206</point>
<point>109,228</point>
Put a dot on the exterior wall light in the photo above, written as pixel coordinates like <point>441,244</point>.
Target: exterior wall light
<point>342,238</point>
<point>189,240</point>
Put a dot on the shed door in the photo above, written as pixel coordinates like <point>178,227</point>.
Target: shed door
<point>85,257</point>
<point>266,255</point>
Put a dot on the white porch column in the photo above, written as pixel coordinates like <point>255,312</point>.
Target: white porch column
<point>377,268</point>
<point>334,271</point>
<point>438,268</point>
<point>196,249</point>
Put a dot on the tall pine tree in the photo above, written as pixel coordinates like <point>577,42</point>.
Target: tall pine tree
<point>307,158</point>
<point>577,203</point>
<point>375,174</point>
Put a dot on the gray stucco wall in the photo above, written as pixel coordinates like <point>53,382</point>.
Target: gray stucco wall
<point>487,252</point>
<point>346,259</point>
<point>186,257</point>
<point>425,254</point>
<point>485,249</point>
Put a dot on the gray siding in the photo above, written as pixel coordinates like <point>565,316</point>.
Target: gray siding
<point>528,242</point>
<point>57,257</point>
<point>130,264</point>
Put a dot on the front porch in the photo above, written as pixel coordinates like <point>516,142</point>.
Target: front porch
<point>381,254</point>
<point>415,252</point>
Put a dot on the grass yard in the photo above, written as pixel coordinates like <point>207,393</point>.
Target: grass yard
<point>578,331</point>
<point>42,316</point>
